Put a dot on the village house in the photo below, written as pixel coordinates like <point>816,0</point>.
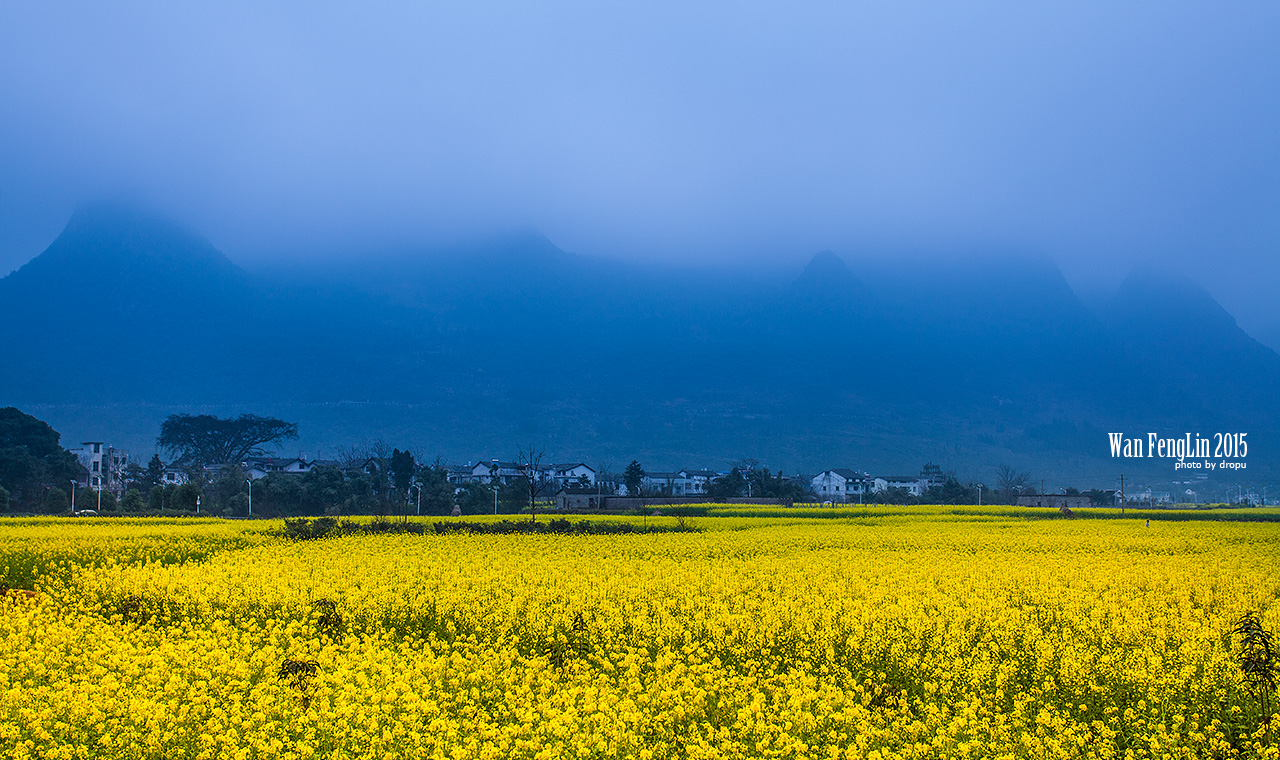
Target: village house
<point>259,467</point>
<point>503,472</point>
<point>914,484</point>
<point>106,466</point>
<point>840,484</point>
<point>678,483</point>
<point>574,472</point>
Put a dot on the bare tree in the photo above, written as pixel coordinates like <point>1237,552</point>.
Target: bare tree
<point>531,462</point>
<point>1010,483</point>
<point>380,448</point>
<point>351,457</point>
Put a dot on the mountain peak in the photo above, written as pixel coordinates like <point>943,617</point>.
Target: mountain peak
<point>1148,295</point>
<point>826,274</point>
<point>114,245</point>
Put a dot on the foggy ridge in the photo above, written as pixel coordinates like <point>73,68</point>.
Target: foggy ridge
<point>475,350</point>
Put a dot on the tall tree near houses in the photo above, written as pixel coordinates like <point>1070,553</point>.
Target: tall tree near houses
<point>633,477</point>
<point>1010,483</point>
<point>531,462</point>
<point>198,440</point>
<point>155,471</point>
<point>402,468</point>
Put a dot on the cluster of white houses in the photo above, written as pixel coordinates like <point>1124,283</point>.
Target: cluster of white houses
<point>844,484</point>
<point>560,475</point>
<point>572,473</point>
<point>107,470</point>
<point>106,467</point>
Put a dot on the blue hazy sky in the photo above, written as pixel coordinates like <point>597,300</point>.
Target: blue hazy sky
<point>1104,135</point>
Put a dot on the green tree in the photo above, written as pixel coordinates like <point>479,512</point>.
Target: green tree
<point>768,486</point>
<point>360,494</point>
<point>155,471</point>
<point>56,501</point>
<point>133,501</point>
<point>323,489</point>
<point>86,498</point>
<point>1102,498</point>
<point>4,499</point>
<point>474,499</point>
<point>633,477</point>
<point>478,498</point>
<point>155,498</point>
<point>31,458</point>
<point>952,492</point>
<point>895,496</point>
<point>278,494</point>
<point>185,496</point>
<point>198,440</point>
<point>731,486</point>
<point>135,476</point>
<point>402,468</point>
<point>437,491</point>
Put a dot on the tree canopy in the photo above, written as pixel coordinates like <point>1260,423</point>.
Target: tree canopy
<point>633,476</point>
<point>31,458</point>
<point>197,440</point>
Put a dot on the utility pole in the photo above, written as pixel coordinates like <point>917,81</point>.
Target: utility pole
<point>73,496</point>
<point>1122,494</point>
<point>250,482</point>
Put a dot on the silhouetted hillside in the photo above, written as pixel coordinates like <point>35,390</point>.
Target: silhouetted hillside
<point>470,351</point>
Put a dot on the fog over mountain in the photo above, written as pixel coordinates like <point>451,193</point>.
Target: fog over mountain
<point>473,350</point>
<point>816,234</point>
<point>1103,137</point>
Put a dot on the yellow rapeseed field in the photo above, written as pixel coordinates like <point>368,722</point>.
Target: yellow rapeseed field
<point>924,633</point>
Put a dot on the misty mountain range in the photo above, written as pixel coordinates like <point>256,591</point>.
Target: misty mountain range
<point>472,351</point>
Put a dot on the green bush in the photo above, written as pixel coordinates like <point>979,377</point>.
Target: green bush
<point>56,501</point>
<point>133,501</point>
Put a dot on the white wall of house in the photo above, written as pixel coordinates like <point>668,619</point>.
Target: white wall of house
<point>832,485</point>
<point>916,486</point>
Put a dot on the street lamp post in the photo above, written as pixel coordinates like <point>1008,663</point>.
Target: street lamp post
<point>250,482</point>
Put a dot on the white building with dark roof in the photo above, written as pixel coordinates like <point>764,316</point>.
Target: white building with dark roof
<point>840,484</point>
<point>106,466</point>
